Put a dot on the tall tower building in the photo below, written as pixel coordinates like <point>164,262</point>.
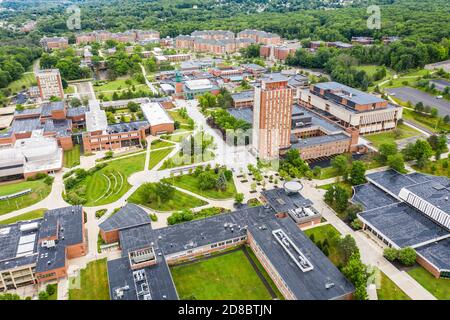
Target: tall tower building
<point>49,84</point>
<point>272,114</point>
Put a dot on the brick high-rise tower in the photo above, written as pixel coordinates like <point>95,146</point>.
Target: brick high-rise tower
<point>272,114</point>
<point>49,84</point>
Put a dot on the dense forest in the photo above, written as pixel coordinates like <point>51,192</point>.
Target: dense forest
<point>424,26</point>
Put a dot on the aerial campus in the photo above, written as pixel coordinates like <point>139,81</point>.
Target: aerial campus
<point>215,168</point>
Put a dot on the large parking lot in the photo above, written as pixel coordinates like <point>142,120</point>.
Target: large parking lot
<point>410,94</point>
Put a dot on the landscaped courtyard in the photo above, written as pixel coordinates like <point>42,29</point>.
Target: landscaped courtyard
<point>40,191</point>
<point>228,276</point>
<point>157,155</point>
<point>402,132</point>
<point>92,283</point>
<point>110,183</point>
<point>147,196</point>
<point>191,183</point>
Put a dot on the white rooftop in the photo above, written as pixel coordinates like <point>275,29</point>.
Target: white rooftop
<point>96,118</point>
<point>155,113</point>
<point>199,84</point>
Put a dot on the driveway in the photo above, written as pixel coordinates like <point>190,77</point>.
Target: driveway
<point>410,94</point>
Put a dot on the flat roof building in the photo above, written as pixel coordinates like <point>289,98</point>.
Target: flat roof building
<point>409,210</point>
<point>38,250</point>
<point>306,274</point>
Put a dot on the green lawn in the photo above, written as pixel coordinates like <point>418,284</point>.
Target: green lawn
<point>190,183</point>
<point>410,77</point>
<point>72,157</point>
<point>440,288</point>
<point>175,114</point>
<point>158,144</point>
<point>40,191</point>
<point>178,201</point>
<point>110,183</point>
<point>330,233</point>
<point>55,295</point>
<point>31,215</point>
<point>69,89</point>
<point>425,121</point>
<point>93,282</point>
<point>158,155</point>
<point>114,85</point>
<point>403,131</point>
<point>26,80</point>
<point>184,160</point>
<point>330,172</point>
<point>436,168</point>
<point>389,290</point>
<point>226,277</point>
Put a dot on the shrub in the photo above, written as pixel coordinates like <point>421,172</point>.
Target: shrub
<point>356,224</point>
<point>100,213</point>
<point>407,256</point>
<point>43,295</point>
<point>390,254</point>
<point>50,289</point>
<point>153,217</point>
<point>49,180</point>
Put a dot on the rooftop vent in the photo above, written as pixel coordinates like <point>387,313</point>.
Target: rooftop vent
<point>329,285</point>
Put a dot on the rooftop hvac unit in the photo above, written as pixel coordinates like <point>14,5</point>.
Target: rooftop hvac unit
<point>329,285</point>
<point>29,226</point>
<point>48,243</point>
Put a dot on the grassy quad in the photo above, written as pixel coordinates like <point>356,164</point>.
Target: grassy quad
<point>158,144</point>
<point>403,132</point>
<point>190,183</point>
<point>92,283</point>
<point>179,201</point>
<point>330,233</point>
<point>31,215</point>
<point>389,290</point>
<point>157,155</point>
<point>72,157</point>
<point>40,191</point>
<point>229,276</point>
<point>440,288</point>
<point>110,183</point>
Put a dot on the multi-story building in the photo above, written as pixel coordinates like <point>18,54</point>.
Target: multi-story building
<point>259,36</point>
<point>101,136</point>
<point>27,157</point>
<point>351,107</point>
<point>272,114</point>
<point>363,40</point>
<point>39,250</point>
<point>53,119</point>
<point>49,84</point>
<point>409,210</point>
<point>54,43</point>
<point>297,267</point>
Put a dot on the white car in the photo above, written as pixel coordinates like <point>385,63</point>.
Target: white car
<point>438,97</point>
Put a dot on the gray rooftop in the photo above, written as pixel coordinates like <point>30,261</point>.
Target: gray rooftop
<point>126,126</point>
<point>281,201</point>
<point>9,242</point>
<point>437,253</point>
<point>314,141</point>
<point>69,220</point>
<point>371,197</point>
<point>129,216</point>
<point>49,107</point>
<point>436,192</point>
<point>404,225</point>
<point>342,91</point>
<point>391,180</point>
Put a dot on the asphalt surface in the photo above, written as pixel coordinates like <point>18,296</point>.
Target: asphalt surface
<point>440,84</point>
<point>409,94</point>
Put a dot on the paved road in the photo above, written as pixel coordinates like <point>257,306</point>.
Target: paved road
<point>440,84</point>
<point>149,84</point>
<point>84,89</point>
<point>410,94</point>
